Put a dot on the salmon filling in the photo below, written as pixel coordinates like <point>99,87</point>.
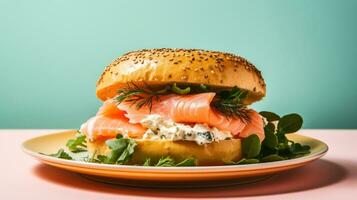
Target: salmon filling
<point>191,109</point>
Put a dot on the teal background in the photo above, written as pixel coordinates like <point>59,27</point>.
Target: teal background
<point>52,52</point>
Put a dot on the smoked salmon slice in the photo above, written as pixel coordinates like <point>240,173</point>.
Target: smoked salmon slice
<point>109,122</point>
<point>255,126</point>
<point>193,108</point>
<point>110,109</point>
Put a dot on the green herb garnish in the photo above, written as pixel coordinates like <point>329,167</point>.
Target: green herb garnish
<point>121,148</point>
<point>269,116</point>
<point>169,162</point>
<point>60,154</point>
<point>187,162</point>
<point>243,161</point>
<point>139,96</point>
<point>251,146</point>
<point>290,123</point>
<point>206,135</point>
<point>78,144</point>
<point>230,103</point>
<point>275,146</point>
<point>178,90</point>
<point>271,158</point>
<point>203,87</point>
<point>147,162</point>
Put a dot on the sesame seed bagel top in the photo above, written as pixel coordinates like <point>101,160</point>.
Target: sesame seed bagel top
<point>158,67</point>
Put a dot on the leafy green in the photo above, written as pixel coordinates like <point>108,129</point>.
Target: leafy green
<point>78,144</point>
<point>121,150</point>
<point>203,87</point>
<point>248,161</point>
<point>163,91</point>
<point>60,154</point>
<point>275,146</point>
<point>251,146</point>
<point>297,149</point>
<point>167,161</point>
<point>290,123</point>
<point>100,159</point>
<point>187,162</point>
<point>269,116</point>
<point>147,162</point>
<point>270,141</point>
<point>271,158</point>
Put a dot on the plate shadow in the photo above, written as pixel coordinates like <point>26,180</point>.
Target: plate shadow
<point>315,175</point>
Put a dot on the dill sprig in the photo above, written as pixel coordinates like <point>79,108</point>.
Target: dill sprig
<point>139,96</point>
<point>230,104</point>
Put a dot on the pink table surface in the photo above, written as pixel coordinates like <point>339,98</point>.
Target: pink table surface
<point>332,177</point>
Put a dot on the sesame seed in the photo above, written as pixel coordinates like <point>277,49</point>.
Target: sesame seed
<point>184,78</point>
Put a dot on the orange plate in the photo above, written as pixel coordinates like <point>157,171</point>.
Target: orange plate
<point>167,176</point>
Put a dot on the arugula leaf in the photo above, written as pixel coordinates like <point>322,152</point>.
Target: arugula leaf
<point>244,161</point>
<point>100,159</point>
<point>251,146</point>
<point>290,123</point>
<point>78,144</point>
<point>60,154</point>
<point>270,116</point>
<point>121,148</point>
<point>147,162</point>
<point>167,161</point>
<point>187,162</point>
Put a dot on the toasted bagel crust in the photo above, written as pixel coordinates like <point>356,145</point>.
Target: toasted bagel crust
<point>157,67</point>
<point>215,153</point>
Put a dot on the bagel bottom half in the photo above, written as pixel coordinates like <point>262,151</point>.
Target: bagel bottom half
<point>215,153</point>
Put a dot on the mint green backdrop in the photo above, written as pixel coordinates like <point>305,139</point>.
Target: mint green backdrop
<point>52,52</point>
